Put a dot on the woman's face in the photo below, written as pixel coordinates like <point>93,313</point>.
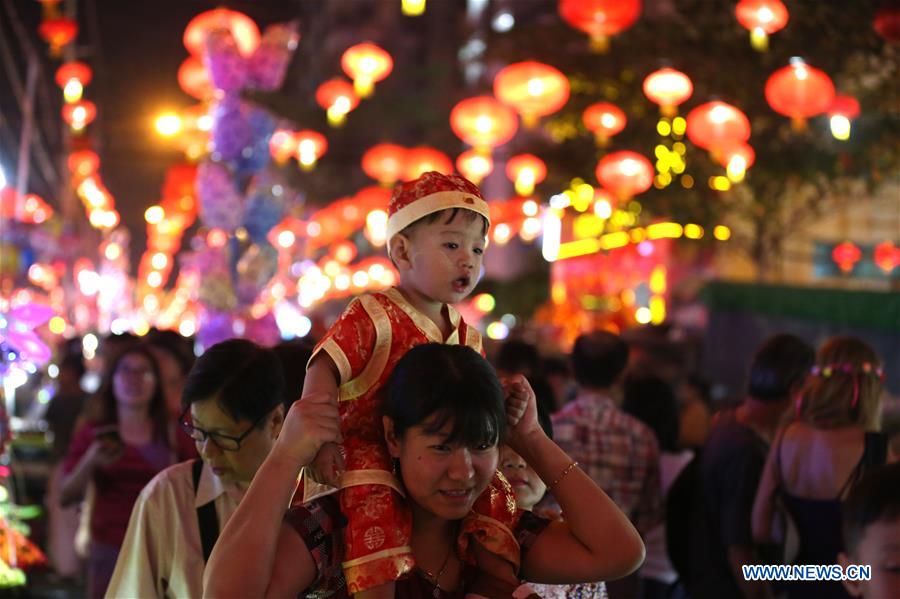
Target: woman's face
<point>526,484</point>
<point>134,381</point>
<point>234,466</point>
<point>172,379</point>
<point>442,478</point>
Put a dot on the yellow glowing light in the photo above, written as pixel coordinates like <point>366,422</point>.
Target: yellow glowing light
<point>664,231</point>
<point>574,249</point>
<point>57,325</point>
<point>531,228</point>
<point>584,196</point>
<point>342,282</point>
<point>720,183</point>
<point>587,225</point>
<point>502,233</point>
<point>840,127</point>
<point>657,309</point>
<point>155,278</point>
<point>628,297</point>
<point>497,330</point>
<point>159,261</point>
<point>658,280</point>
<point>530,208</point>
<point>643,315</point>
<point>360,278</point>
<point>679,148</point>
<point>552,235</point>
<point>525,182</point>
<point>112,251</point>
<point>286,239</point>
<point>679,125</point>
<point>611,241</point>
<point>154,214</point>
<point>722,233</point>
<point>638,235</point>
<point>141,328</point>
<point>332,268</point>
<point>692,231</point>
<point>687,181</point>
<point>663,127</point>
<point>413,8</point>
<point>73,90</point>
<point>168,124</point>
<point>485,302</point>
<point>558,292</point>
<point>187,328</point>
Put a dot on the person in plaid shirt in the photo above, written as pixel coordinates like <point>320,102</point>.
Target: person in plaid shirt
<point>615,449</point>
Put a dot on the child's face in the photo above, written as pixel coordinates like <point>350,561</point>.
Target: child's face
<point>879,548</point>
<point>527,485</point>
<point>445,257</point>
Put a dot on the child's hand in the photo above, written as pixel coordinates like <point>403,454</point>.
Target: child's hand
<point>328,465</point>
<point>521,412</point>
<point>313,422</point>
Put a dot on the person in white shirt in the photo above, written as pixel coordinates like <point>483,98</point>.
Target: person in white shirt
<point>233,410</point>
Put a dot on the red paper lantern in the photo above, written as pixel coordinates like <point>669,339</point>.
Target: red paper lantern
<point>600,18</point>
<point>625,173</point>
<point>242,28</point>
<point>366,64</point>
<point>483,122</point>
<point>311,145</point>
<point>194,79</point>
<point>846,106</point>
<point>79,114</point>
<point>846,255</point>
<point>385,163</point>
<point>72,77</point>
<point>603,120</point>
<point>424,159</point>
<point>887,23</point>
<point>337,97</point>
<point>282,145</point>
<point>799,91</point>
<point>886,256</point>
<point>526,171</point>
<point>58,32</point>
<point>532,88</point>
<point>668,88</point>
<point>83,163</point>
<point>474,165</point>
<point>716,124</point>
<point>761,18</point>
<point>736,157</point>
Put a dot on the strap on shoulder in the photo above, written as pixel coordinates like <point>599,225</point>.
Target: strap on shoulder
<point>207,521</point>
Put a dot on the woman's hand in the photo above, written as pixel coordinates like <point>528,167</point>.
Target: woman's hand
<point>312,421</point>
<point>102,452</point>
<point>521,412</point>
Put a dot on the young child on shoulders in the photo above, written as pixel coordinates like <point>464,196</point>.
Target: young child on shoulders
<point>437,230</point>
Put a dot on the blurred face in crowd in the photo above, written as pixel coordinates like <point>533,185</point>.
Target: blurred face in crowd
<point>172,379</point>
<point>879,547</point>
<point>527,485</point>
<point>231,460</point>
<point>134,381</point>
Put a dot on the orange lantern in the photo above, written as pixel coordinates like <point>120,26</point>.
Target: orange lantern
<point>715,124</point>
<point>603,120</point>
<point>887,23</point>
<point>736,157</point>
<point>366,64</point>
<point>79,114</point>
<point>532,88</point>
<point>846,255</point>
<point>625,173</point>
<point>72,77</point>
<point>194,79</point>
<point>338,98</point>
<point>58,32</point>
<point>83,163</point>
<point>424,159</point>
<point>886,256</point>
<point>526,171</point>
<point>242,28</point>
<point>600,18</point>
<point>282,145</point>
<point>385,163</point>
<point>668,88</point>
<point>799,91</point>
<point>483,122</point>
<point>474,165</point>
<point>311,146</point>
<point>761,18</point>
<point>842,110</point>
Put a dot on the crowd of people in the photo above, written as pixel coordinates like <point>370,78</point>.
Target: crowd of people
<point>394,459</point>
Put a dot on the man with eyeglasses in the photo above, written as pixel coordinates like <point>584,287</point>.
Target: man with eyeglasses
<point>233,411</point>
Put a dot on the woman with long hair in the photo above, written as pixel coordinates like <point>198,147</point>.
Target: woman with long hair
<point>125,440</point>
<point>818,457</point>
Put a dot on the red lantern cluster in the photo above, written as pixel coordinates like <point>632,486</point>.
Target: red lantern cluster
<point>603,120</point>
<point>474,165</point>
<point>366,64</point>
<point>483,122</point>
<point>386,163</point>
<point>58,32</point>
<point>762,18</point>
<point>526,171</point>
<point>846,255</point>
<point>886,256</point>
<point>668,88</point>
<point>716,124</point>
<point>79,114</point>
<point>532,89</point>
<point>600,18</point>
<point>338,98</point>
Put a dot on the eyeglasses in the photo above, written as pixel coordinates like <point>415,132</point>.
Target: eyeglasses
<point>223,442</point>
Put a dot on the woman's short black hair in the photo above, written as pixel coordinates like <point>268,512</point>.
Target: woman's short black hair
<point>245,379</point>
<point>652,400</point>
<point>598,358</point>
<point>451,383</point>
<point>293,355</point>
<point>779,367</point>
